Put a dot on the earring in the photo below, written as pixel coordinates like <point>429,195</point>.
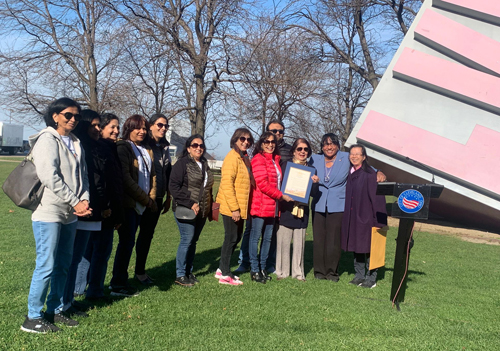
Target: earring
<point>56,125</point>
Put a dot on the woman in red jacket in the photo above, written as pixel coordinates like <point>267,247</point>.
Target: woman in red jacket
<point>267,174</point>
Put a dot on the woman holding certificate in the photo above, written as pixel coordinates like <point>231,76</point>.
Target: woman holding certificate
<point>364,210</point>
<point>293,223</point>
<point>267,174</point>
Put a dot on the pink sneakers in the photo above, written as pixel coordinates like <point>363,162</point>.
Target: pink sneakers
<point>218,275</point>
<point>227,280</point>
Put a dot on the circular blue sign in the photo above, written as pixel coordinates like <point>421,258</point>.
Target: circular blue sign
<point>411,201</point>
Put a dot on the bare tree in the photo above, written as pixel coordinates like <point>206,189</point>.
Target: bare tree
<point>57,48</point>
<point>195,31</point>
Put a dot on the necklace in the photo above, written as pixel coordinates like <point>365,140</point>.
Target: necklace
<point>327,174</point>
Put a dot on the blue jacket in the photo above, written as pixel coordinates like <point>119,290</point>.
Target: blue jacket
<point>330,196</point>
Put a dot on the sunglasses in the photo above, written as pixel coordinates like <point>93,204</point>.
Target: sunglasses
<point>195,146</point>
<point>243,139</point>
<point>69,115</point>
<point>161,125</point>
<point>277,131</point>
<point>299,149</point>
<point>267,142</point>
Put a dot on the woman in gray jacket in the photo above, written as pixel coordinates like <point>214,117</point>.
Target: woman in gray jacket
<point>60,165</point>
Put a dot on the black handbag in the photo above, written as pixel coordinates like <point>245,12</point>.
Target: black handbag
<point>183,213</point>
<point>23,187</point>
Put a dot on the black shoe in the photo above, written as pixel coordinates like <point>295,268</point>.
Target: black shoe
<point>147,281</point>
<point>81,306</point>
<point>357,281</point>
<point>98,300</point>
<point>192,277</point>
<point>60,318</point>
<point>257,277</point>
<point>369,284</point>
<point>125,291</point>
<point>319,276</point>
<point>265,275</point>
<point>184,281</point>
<point>72,311</point>
<point>38,326</point>
<point>332,278</point>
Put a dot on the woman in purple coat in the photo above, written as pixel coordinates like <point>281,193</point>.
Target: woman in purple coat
<point>363,210</point>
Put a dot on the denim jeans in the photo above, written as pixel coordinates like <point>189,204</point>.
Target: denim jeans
<point>81,240</point>
<point>54,248</point>
<point>94,264</point>
<point>190,233</point>
<point>257,224</point>
<point>244,257</point>
<point>126,235</point>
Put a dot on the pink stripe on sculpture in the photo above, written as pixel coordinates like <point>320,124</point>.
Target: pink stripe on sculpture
<point>459,42</point>
<point>475,162</point>
<point>449,78</point>
<point>490,7</point>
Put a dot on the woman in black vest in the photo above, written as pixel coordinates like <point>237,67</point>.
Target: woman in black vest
<point>191,184</point>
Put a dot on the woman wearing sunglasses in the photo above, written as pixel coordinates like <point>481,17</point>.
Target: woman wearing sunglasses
<point>162,165</point>
<point>190,184</point>
<point>139,193</point>
<point>293,223</point>
<point>267,173</point>
<point>233,196</point>
<point>61,168</point>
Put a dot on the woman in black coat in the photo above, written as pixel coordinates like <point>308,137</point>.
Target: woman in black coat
<point>363,211</point>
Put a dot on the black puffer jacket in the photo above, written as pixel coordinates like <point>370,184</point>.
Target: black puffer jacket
<point>186,181</point>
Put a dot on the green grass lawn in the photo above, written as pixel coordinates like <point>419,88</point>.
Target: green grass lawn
<point>452,301</point>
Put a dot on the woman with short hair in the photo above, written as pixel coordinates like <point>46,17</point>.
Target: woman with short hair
<point>233,197</point>
<point>191,183</point>
<point>294,219</point>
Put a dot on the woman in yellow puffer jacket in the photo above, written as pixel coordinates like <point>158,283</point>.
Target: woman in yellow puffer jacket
<point>233,196</point>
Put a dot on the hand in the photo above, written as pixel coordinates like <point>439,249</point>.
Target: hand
<point>117,226</point>
<point>82,209</point>
<point>381,177</point>
<point>195,208</point>
<point>166,205</point>
<point>236,216</point>
<point>315,179</point>
<point>106,213</point>
<point>286,198</point>
<point>152,205</point>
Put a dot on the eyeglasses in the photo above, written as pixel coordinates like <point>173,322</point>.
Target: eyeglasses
<point>69,115</point>
<point>267,142</point>
<point>299,149</point>
<point>161,125</point>
<point>329,144</point>
<point>277,131</point>
<point>195,146</point>
<point>243,139</point>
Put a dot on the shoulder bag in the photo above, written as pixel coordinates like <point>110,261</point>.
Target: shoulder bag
<point>22,186</point>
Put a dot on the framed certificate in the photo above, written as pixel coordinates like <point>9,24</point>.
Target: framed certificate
<point>297,182</point>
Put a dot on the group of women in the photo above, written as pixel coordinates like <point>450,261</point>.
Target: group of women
<point>95,183</point>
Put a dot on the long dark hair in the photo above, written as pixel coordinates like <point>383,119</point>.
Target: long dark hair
<point>237,134</point>
<point>365,166</point>
<point>263,137</point>
<point>188,142</point>
<point>106,119</point>
<point>152,121</point>
<point>56,107</point>
<point>135,122</point>
<point>81,129</point>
